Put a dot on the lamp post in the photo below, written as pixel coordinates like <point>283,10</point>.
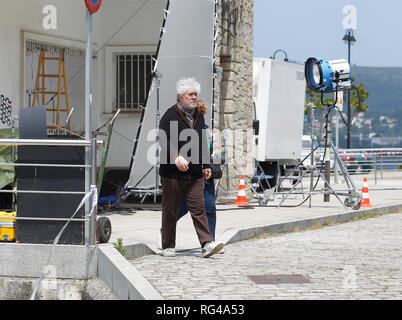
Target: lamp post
<point>90,153</point>
<point>349,39</point>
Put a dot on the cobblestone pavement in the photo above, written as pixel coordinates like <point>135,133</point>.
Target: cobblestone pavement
<point>354,260</point>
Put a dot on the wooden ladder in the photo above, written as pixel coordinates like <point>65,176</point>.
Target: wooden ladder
<point>61,76</point>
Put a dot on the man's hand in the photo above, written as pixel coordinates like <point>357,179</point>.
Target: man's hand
<point>207,173</point>
<point>181,163</point>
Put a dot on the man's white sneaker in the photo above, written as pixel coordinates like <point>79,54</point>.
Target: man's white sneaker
<point>169,252</point>
<point>220,252</point>
<point>211,248</point>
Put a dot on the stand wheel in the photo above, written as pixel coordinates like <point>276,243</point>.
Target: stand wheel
<point>356,206</point>
<point>348,202</point>
<point>103,229</point>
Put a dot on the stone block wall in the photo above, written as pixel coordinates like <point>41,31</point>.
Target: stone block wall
<point>235,55</point>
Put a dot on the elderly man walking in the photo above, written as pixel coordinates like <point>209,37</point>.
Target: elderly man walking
<point>184,166</point>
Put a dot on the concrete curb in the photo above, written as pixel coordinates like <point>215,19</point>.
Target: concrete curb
<point>234,235</point>
<point>122,277</point>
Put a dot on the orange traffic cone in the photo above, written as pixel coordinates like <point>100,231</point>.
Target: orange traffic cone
<point>366,199</point>
<point>241,196</point>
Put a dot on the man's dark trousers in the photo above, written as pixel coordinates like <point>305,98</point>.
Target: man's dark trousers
<point>173,192</point>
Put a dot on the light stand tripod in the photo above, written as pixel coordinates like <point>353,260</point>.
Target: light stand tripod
<point>158,77</point>
<point>353,197</point>
<point>122,194</point>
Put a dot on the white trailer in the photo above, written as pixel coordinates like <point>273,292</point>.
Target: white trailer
<point>279,95</point>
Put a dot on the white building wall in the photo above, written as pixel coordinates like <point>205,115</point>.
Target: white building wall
<point>137,26</point>
<point>17,17</point>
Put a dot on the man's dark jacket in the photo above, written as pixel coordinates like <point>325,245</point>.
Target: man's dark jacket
<point>172,146</point>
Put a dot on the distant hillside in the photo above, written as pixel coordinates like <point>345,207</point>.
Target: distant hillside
<point>384,85</point>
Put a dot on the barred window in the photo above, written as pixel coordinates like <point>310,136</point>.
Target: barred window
<point>133,79</point>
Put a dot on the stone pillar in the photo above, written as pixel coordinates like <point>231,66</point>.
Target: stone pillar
<point>235,55</point>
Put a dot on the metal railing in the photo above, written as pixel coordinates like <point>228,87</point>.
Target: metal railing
<point>90,216</point>
<point>370,160</point>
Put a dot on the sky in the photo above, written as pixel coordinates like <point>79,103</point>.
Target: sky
<point>315,28</point>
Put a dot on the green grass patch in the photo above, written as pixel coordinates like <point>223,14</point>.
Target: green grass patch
<point>119,246</point>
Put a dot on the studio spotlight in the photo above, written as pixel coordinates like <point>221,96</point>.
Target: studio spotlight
<point>327,76</point>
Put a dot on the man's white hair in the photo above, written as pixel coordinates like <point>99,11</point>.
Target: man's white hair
<point>185,84</point>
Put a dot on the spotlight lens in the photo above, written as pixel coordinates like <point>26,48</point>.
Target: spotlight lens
<point>313,73</point>
<point>316,74</point>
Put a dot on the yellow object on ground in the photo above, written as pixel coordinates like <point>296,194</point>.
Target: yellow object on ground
<point>7,226</point>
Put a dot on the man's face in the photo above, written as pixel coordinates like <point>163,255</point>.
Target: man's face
<point>189,99</point>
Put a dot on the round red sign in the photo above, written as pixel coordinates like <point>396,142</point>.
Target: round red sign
<point>93,5</point>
